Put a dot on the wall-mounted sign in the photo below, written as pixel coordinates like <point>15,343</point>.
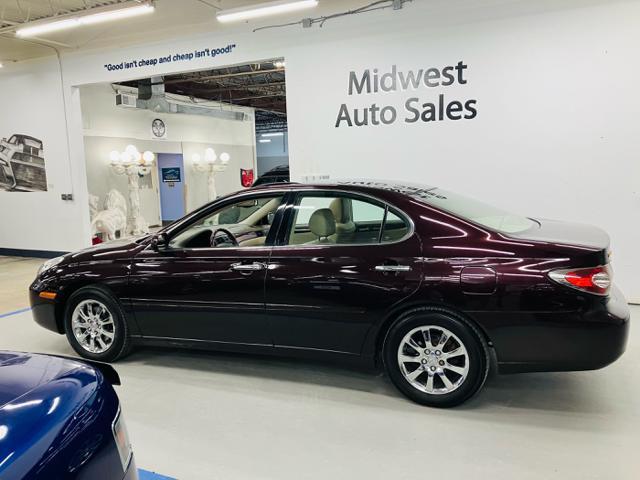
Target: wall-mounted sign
<point>174,57</point>
<point>416,109</point>
<point>171,175</point>
<point>158,128</point>
<point>246,177</point>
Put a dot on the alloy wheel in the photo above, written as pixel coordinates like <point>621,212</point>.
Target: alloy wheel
<point>93,326</point>
<point>433,359</point>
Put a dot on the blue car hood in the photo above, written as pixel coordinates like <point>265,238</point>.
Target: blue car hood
<point>20,373</point>
<point>47,404</point>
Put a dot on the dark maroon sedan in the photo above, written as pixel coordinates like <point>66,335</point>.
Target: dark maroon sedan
<point>432,285</point>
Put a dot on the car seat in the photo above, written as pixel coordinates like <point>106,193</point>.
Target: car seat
<point>322,224</point>
<point>345,227</point>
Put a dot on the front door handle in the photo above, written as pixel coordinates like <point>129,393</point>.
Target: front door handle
<point>247,267</point>
<point>392,268</point>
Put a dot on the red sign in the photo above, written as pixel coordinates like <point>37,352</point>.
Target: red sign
<point>246,177</point>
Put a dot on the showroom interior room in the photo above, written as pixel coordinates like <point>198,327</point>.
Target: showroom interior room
<point>311,145</point>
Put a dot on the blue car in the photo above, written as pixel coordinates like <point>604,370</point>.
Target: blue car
<point>61,419</point>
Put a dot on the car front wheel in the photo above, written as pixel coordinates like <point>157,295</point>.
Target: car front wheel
<point>435,357</point>
<point>95,325</point>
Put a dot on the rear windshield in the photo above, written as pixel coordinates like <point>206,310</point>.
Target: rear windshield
<point>477,212</point>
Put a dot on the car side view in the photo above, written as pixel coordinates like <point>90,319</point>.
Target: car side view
<point>60,418</point>
<point>435,287</point>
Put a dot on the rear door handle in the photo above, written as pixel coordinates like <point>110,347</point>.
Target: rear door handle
<point>247,267</point>
<point>392,268</point>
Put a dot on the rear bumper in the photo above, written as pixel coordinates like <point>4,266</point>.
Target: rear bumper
<point>44,311</point>
<point>588,340</point>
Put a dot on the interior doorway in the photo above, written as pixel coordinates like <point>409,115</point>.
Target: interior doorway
<point>171,175</point>
<point>212,127</point>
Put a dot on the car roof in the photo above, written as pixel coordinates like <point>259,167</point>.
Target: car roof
<point>279,170</point>
<point>401,187</point>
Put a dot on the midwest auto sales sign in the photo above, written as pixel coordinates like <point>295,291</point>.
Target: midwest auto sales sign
<point>415,109</point>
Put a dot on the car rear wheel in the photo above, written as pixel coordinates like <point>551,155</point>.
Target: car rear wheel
<point>95,325</point>
<point>435,357</point>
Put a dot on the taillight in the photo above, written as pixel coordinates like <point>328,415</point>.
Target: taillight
<point>121,436</point>
<point>595,280</point>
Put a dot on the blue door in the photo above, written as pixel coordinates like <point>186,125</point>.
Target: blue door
<point>171,175</point>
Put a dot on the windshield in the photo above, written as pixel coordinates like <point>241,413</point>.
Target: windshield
<point>477,212</point>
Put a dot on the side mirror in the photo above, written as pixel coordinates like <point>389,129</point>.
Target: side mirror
<point>160,242</point>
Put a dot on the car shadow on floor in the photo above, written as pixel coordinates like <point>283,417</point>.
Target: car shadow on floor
<point>564,392</point>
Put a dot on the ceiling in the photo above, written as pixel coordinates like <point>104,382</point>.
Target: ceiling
<point>258,85</point>
<point>175,18</point>
<point>172,18</point>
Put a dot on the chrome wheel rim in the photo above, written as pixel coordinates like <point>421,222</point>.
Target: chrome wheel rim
<point>93,326</point>
<point>433,359</point>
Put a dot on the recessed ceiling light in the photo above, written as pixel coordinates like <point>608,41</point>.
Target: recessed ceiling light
<point>95,15</point>
<point>265,140</point>
<point>263,9</point>
<point>273,134</point>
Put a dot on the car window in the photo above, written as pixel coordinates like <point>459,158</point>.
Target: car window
<point>470,209</point>
<point>342,220</point>
<point>395,228</point>
<point>242,224</point>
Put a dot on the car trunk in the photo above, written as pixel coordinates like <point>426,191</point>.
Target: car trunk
<point>587,243</point>
<point>22,372</point>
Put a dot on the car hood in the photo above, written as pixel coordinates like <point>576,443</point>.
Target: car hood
<point>110,250</point>
<point>20,373</point>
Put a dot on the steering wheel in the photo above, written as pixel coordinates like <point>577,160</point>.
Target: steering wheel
<point>217,239</point>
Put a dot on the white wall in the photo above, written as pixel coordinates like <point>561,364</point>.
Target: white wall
<point>108,127</point>
<point>31,103</point>
<point>555,135</point>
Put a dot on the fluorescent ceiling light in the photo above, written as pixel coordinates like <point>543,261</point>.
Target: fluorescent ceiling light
<point>263,9</point>
<point>93,16</point>
<point>273,134</point>
<point>265,140</point>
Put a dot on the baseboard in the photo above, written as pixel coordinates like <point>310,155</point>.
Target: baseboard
<point>19,252</point>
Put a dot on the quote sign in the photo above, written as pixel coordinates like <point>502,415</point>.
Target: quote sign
<point>435,108</point>
<point>170,57</point>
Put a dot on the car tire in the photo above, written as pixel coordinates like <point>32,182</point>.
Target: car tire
<point>93,320</point>
<point>436,374</point>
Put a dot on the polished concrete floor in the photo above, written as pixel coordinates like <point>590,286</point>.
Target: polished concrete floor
<point>198,415</point>
<point>16,273</point>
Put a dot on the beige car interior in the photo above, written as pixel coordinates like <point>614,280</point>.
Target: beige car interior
<point>249,232</point>
<point>255,218</point>
<point>331,222</point>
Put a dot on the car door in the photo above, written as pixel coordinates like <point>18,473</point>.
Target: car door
<point>202,286</point>
<point>326,291</point>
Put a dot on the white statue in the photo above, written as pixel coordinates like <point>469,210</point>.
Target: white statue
<point>137,224</point>
<point>115,199</point>
<point>94,200</point>
<point>211,166</point>
<point>113,218</point>
<point>133,164</point>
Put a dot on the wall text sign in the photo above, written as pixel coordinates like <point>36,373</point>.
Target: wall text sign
<point>416,109</point>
